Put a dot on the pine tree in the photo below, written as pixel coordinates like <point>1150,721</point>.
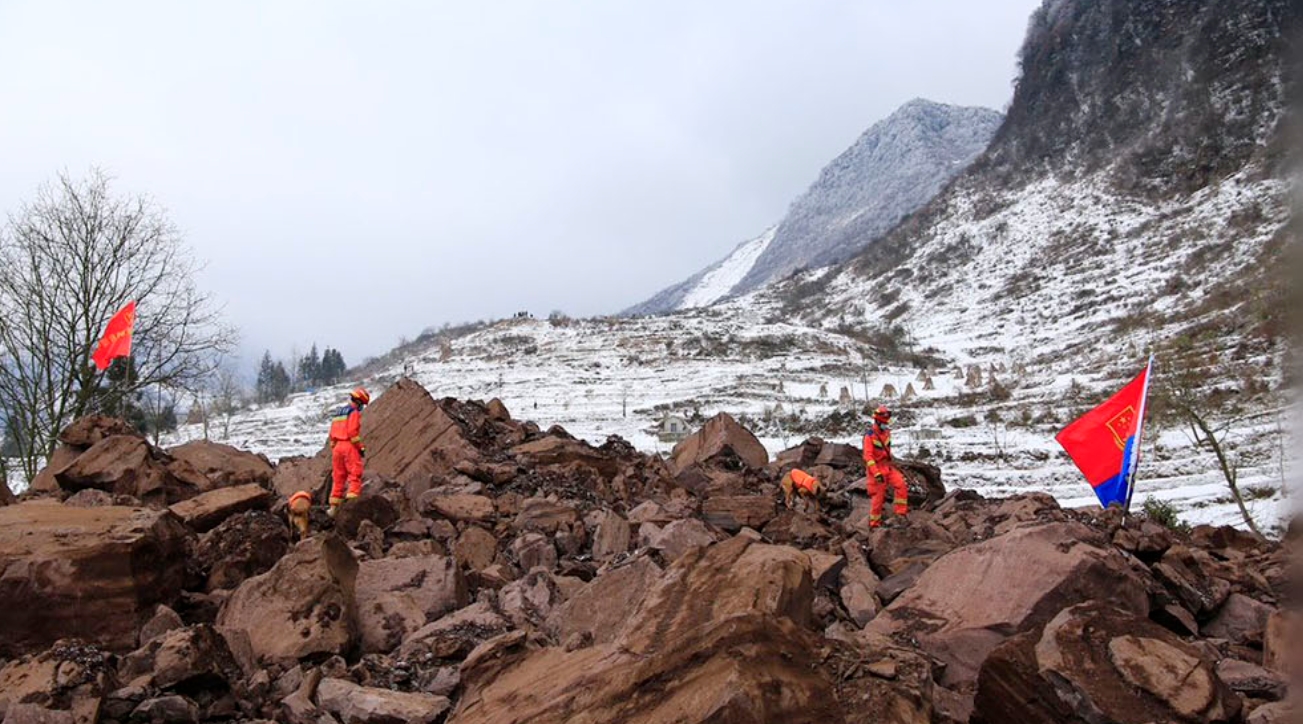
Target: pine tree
<point>266,372</point>
<point>310,369</point>
<point>332,366</point>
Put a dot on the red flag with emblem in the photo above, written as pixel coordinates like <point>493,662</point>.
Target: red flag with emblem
<point>116,341</point>
<point>1105,442</point>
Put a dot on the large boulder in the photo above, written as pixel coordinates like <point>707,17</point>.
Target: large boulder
<point>243,545</point>
<point>720,637</point>
<point>721,435</point>
<point>1094,662</point>
<point>735,512</point>
<point>601,608</point>
<point>206,510</point>
<point>89,573</point>
<point>303,606</point>
<point>973,598</point>
<point>129,465</point>
<point>397,596</point>
<point>223,464</point>
<point>680,537</point>
<point>309,474</point>
<point>410,437</point>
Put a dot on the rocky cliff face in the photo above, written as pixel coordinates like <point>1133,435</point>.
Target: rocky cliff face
<point>892,169</point>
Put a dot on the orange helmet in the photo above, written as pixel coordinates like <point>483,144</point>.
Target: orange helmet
<point>361,395</point>
<point>882,414</point>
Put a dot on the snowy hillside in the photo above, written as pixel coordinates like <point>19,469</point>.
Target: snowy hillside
<point>621,377</point>
<point>891,170</point>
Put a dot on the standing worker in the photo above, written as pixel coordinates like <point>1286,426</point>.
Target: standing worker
<point>880,469</point>
<point>346,449</point>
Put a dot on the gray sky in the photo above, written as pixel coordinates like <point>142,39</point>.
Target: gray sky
<point>355,172</point>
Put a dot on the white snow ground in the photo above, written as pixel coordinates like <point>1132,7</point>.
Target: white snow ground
<point>618,376</point>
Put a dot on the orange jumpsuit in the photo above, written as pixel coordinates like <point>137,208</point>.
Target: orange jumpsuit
<point>878,461</point>
<point>346,451</point>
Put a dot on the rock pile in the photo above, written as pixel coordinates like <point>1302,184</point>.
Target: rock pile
<point>497,572</point>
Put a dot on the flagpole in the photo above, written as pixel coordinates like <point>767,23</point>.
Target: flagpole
<point>1140,429</point>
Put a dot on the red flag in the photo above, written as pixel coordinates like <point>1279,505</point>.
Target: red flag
<point>116,341</point>
<point>1105,442</point>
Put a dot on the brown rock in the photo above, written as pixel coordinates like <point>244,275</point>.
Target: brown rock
<point>69,675</point>
<point>544,516</point>
<point>293,474</point>
<point>204,511</point>
<point>454,635</point>
<point>191,658</point>
<point>710,634</point>
<point>33,714</point>
<point>603,607</point>
<point>534,550</point>
<point>1280,712</point>
<point>223,464</point>
<point>1241,620</point>
<point>89,498</point>
<point>128,465</point>
<point>1280,650</point>
<point>734,512</point>
<point>858,585</point>
<point>721,435</point>
<point>397,596</point>
<point>458,507</point>
<point>90,573</point>
<point>303,606</point>
<point>1188,574</point>
<point>88,431</point>
<point>372,506</point>
<point>475,548</point>
<point>794,528</point>
<point>1251,679</point>
<point>680,537</point>
<point>355,704</point>
<point>171,709</point>
<point>412,437</point>
<point>528,601</point>
<point>970,600</point>
<point>243,545</point>
<point>1094,662</point>
<point>649,511</point>
<point>163,621</point>
<point>825,568</point>
<point>611,537</point>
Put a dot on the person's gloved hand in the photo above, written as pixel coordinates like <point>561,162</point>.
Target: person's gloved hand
<point>361,449</point>
<point>879,477</point>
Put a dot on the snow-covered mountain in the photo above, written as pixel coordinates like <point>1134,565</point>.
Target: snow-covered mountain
<point>891,170</point>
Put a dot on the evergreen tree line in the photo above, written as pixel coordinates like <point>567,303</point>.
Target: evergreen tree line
<point>275,381</point>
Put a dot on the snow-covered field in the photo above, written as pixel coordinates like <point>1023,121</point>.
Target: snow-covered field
<point>620,376</point>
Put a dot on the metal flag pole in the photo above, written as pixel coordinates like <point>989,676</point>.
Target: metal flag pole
<point>1133,473</point>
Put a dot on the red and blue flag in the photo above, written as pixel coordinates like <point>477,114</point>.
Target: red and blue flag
<point>1105,442</point>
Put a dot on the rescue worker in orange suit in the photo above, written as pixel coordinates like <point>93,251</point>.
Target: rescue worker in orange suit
<point>347,450</point>
<point>881,471</point>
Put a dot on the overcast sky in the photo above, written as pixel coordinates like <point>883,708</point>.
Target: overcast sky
<point>355,172</point>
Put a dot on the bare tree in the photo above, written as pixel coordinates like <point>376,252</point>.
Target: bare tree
<point>228,397</point>
<point>68,261</point>
<point>1186,399</point>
